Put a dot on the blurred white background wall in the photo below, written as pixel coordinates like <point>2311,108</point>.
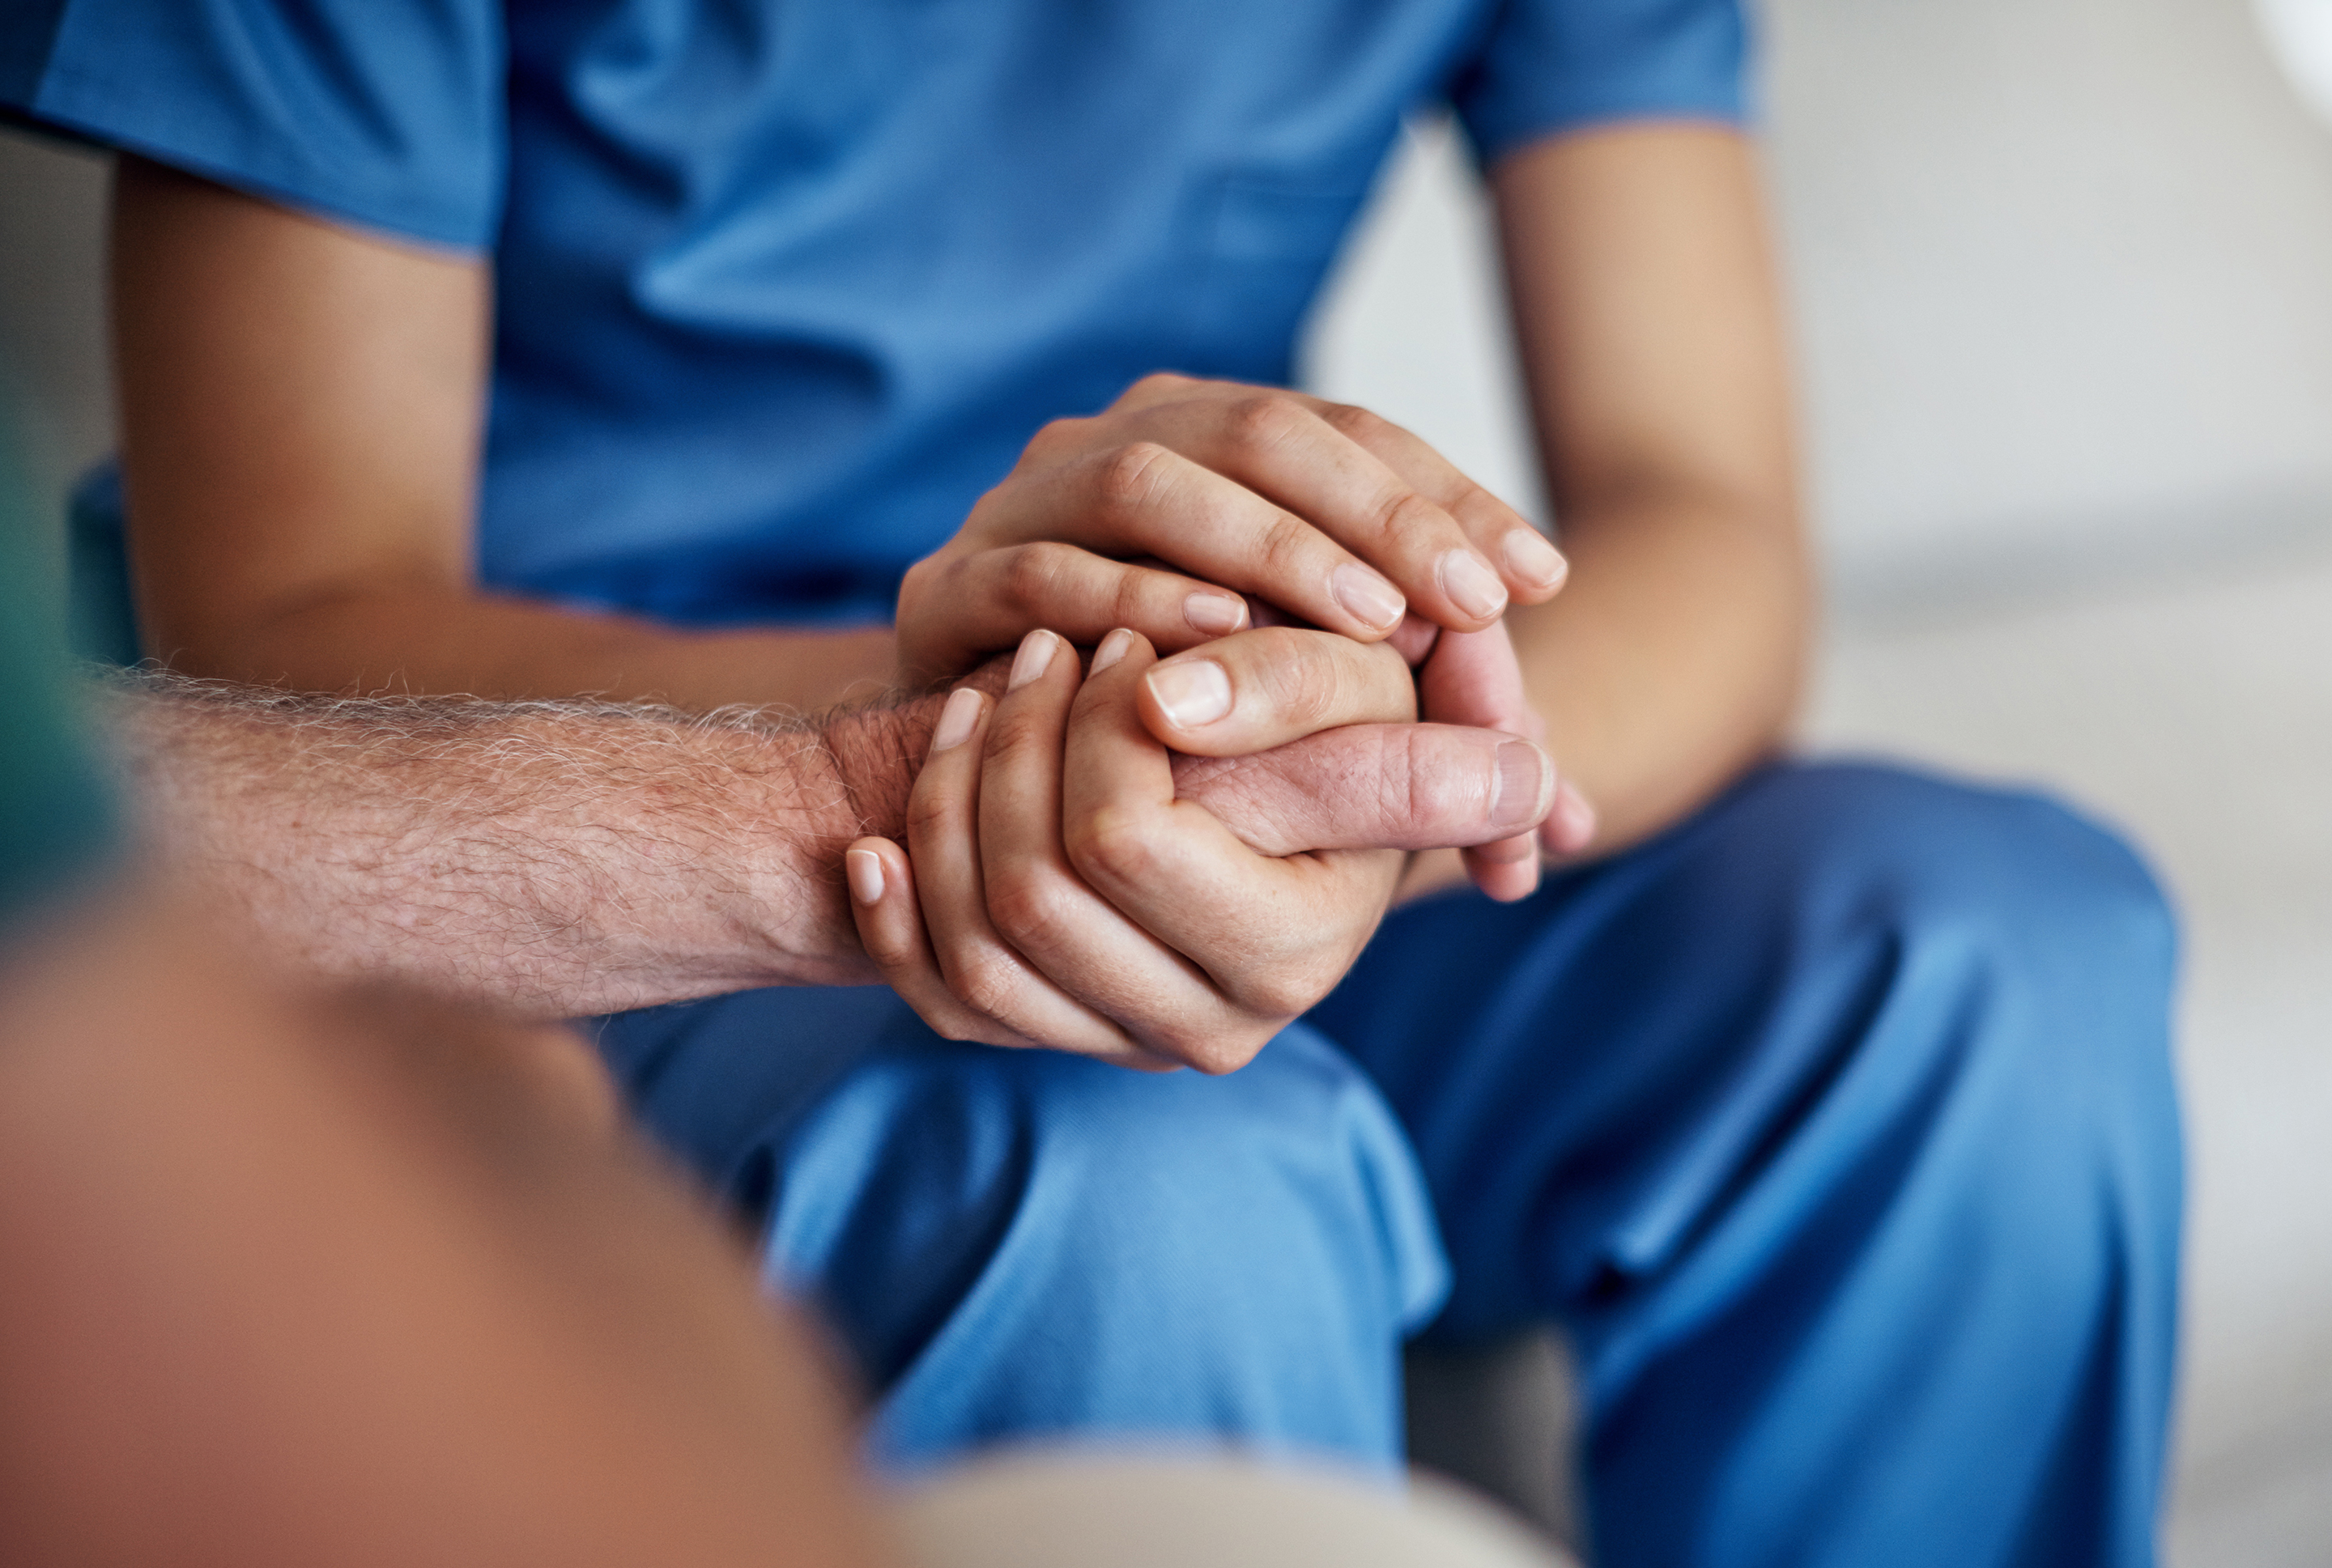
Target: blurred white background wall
<point>2062,278</point>
<point>2059,270</point>
<point>2301,34</point>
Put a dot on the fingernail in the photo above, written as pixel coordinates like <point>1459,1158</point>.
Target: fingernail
<point>1519,797</point>
<point>1372,601</point>
<point>1035,655</point>
<point>956,720</point>
<point>1529,557</point>
<point>1575,817</point>
<point>1470,583</point>
<point>1192,693</point>
<point>865,869</point>
<point>1113,649</point>
<point>1215,614</point>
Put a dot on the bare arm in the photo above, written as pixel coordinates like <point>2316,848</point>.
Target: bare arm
<point>553,858</point>
<point>1649,322</point>
<point>301,411</point>
<point>302,407</point>
<point>556,860</point>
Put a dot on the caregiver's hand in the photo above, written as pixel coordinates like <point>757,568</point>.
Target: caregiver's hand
<point>1145,514</point>
<point>1061,895</point>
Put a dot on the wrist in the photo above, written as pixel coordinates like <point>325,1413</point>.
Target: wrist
<point>871,756</point>
<point>877,751</point>
<point>852,782</point>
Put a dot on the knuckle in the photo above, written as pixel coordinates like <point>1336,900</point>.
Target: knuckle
<point>1013,729</point>
<point>1112,847</point>
<point>1028,908</point>
<point>1271,648</point>
<point>1472,500</point>
<point>1406,515</point>
<point>890,951</point>
<point>987,982</point>
<point>1226,1050</point>
<point>1426,799</point>
<point>1305,677</point>
<point>1403,787</point>
<point>1285,546</point>
<point>1262,421</point>
<point>1357,424</point>
<point>1126,479</point>
<point>1185,1040</point>
<point>1312,694</point>
<point>1159,380</point>
<point>917,578</point>
<point>1284,989</point>
<point>1000,497</point>
<point>1033,574</point>
<point>929,814</point>
<point>1054,437</point>
<point>1130,601</point>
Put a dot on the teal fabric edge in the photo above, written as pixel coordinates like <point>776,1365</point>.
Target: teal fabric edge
<point>58,817</point>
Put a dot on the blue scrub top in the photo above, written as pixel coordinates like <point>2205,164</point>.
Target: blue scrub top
<point>784,285</point>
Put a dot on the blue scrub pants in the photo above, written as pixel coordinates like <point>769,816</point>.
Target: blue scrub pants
<point>1835,1128</point>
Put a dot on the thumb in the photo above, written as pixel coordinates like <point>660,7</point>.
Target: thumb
<point>1376,786</point>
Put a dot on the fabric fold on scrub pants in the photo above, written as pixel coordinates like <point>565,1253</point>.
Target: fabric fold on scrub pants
<point>1835,1128</point>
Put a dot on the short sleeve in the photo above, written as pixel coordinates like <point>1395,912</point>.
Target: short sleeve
<point>387,113</point>
<point>1551,65</point>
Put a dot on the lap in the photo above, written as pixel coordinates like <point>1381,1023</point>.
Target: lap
<point>1613,1048</point>
<point>1015,1243</point>
<point>760,1087</point>
<point>1835,1123</point>
<point>1587,1075</point>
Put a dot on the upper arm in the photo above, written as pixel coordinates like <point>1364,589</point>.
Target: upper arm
<point>301,410</point>
<point>1648,318</point>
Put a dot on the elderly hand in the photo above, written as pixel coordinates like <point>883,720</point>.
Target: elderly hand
<point>1206,702</point>
<point>1060,893</point>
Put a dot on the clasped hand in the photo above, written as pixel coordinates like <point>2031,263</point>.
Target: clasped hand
<point>1074,882</point>
<point>1062,885</point>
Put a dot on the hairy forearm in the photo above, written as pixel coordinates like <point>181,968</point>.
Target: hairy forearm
<point>551,859</point>
<point>1673,659</point>
<point>556,860</point>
